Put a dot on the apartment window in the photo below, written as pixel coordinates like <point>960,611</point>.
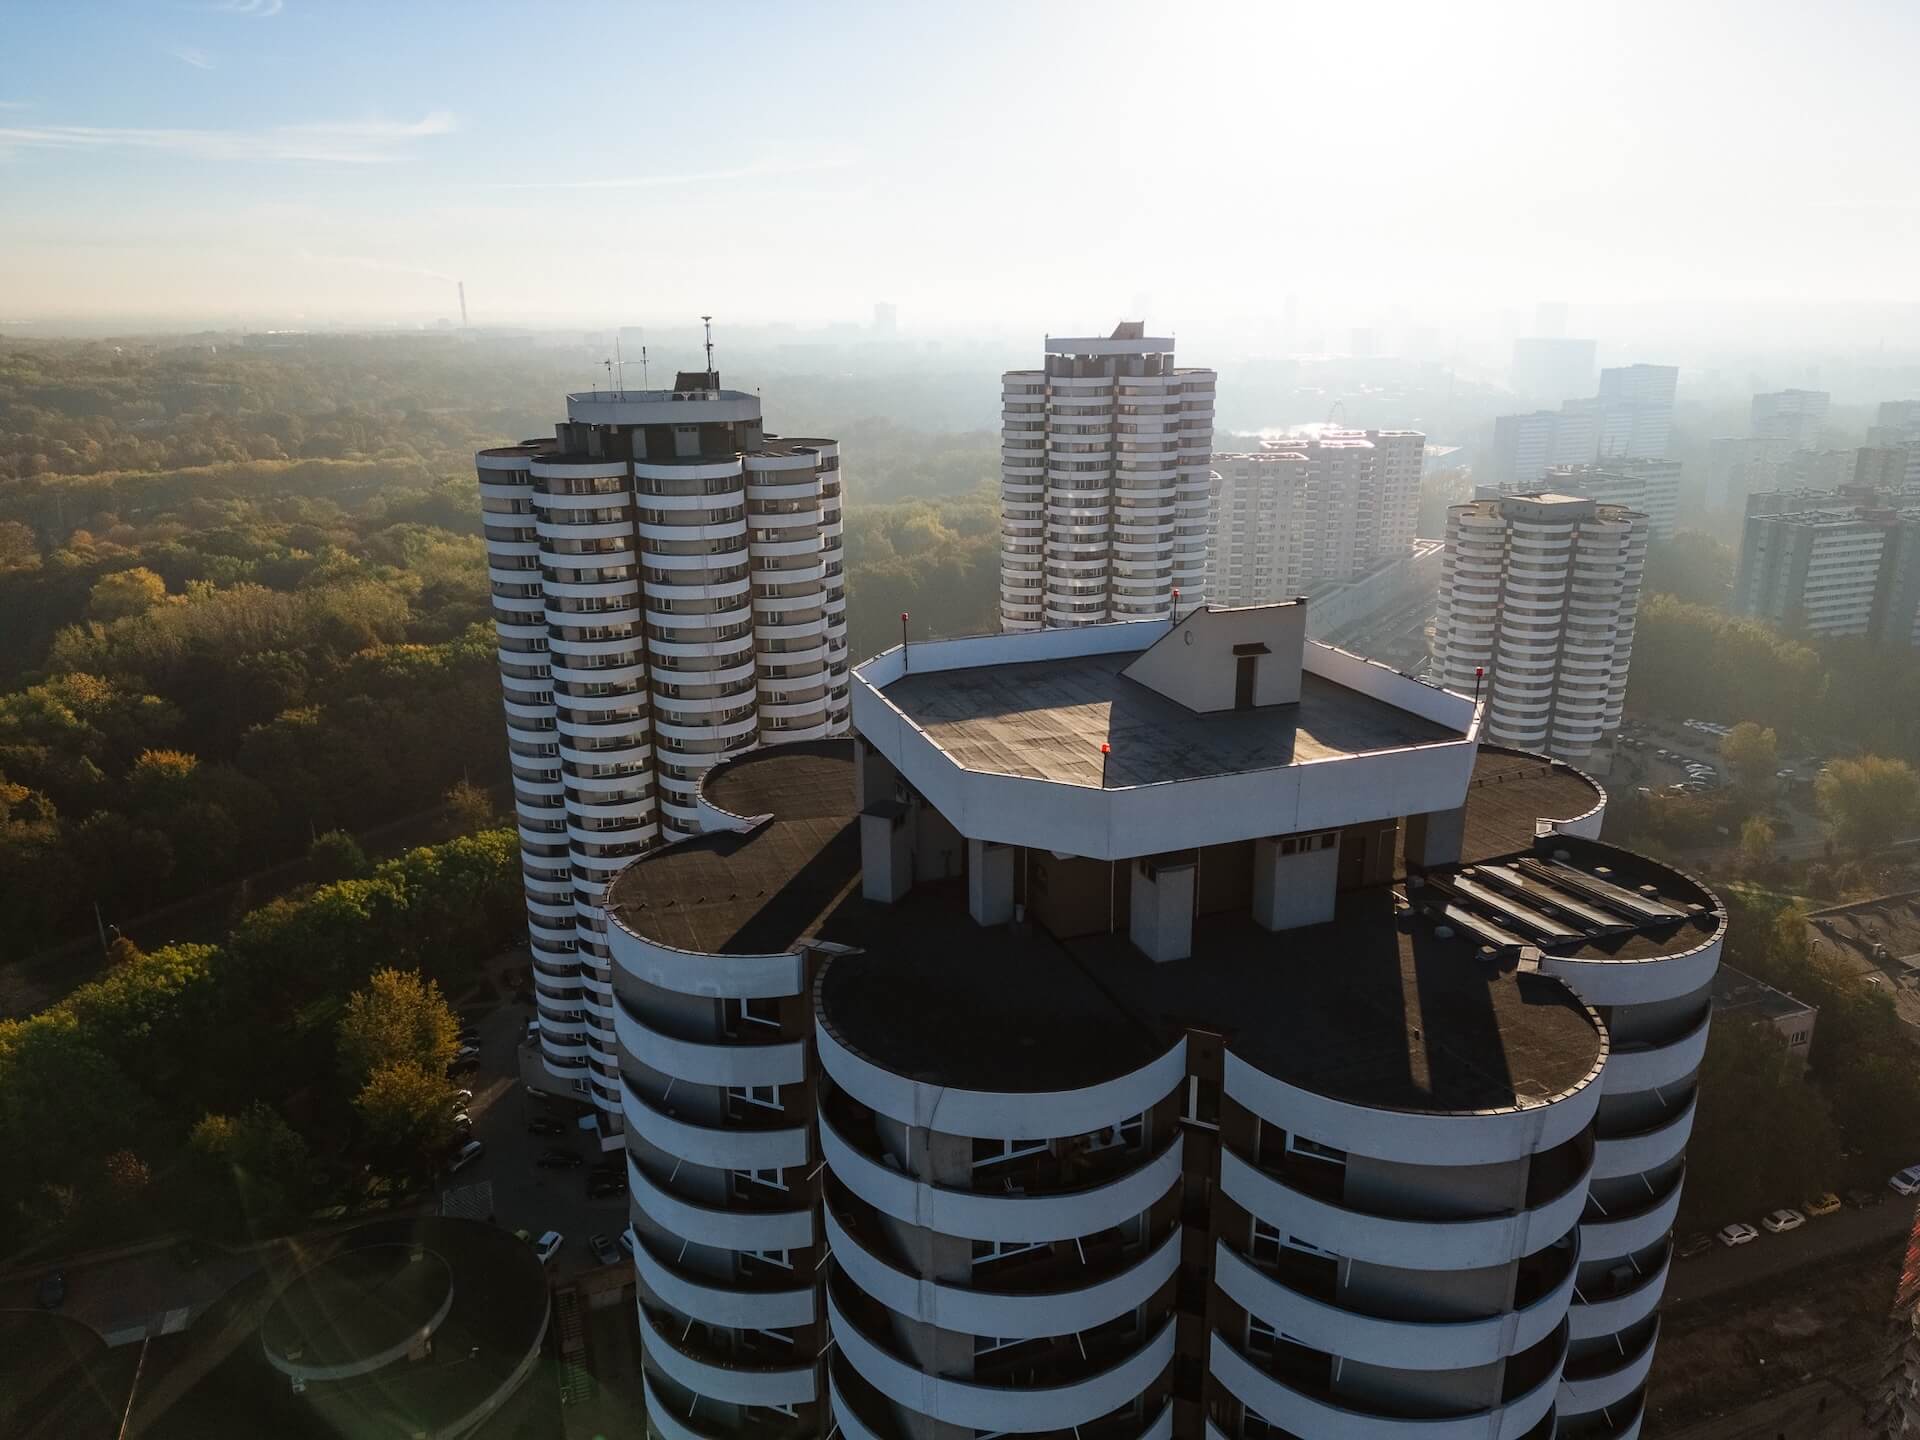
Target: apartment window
<point>780,1259</point>
<point>745,1180</point>
<point>758,1010</point>
<point>992,1152</point>
<point>766,1096</point>
<point>985,1252</point>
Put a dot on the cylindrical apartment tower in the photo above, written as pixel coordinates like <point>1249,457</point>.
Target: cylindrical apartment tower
<point>1104,483</point>
<point>1374,1128</point>
<point>667,590</point>
<point>1541,592</point>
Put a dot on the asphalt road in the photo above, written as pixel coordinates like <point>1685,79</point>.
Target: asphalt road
<point>525,1196</point>
<point>1722,1269</point>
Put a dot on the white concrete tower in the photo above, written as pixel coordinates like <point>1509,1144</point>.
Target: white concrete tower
<point>1103,482</point>
<point>1540,592</point>
<point>667,592</point>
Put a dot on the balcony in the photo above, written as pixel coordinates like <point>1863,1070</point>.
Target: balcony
<point>741,1225</point>
<point>733,1368</point>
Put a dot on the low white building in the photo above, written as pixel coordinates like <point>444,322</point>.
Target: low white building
<point>1154,1030</point>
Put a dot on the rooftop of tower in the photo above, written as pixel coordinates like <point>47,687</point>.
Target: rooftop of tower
<point>1381,1006</point>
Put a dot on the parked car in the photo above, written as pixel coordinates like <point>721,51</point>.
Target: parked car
<point>545,1125</point>
<point>1907,1182</point>
<point>604,1250</point>
<point>465,1156</point>
<point>462,1121</point>
<point>1824,1204</point>
<point>461,1099</point>
<point>603,1186</point>
<point>548,1245</point>
<point>1738,1233</point>
<point>557,1159</point>
<point>1694,1245</point>
<point>1781,1221</point>
<point>466,1052</point>
<point>51,1292</point>
<point>470,1035</point>
<point>1863,1199</point>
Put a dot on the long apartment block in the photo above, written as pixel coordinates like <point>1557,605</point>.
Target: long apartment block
<point>1104,482</point>
<point>1150,1030</point>
<point>667,592</point>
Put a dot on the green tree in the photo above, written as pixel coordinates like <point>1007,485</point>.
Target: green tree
<point>125,593</point>
<point>405,1108</point>
<point>336,855</point>
<point>1756,841</point>
<point>256,1162</point>
<point>399,1019</point>
<point>1868,801</point>
<point>1763,1136</point>
<point>469,807</point>
<point>1752,753</point>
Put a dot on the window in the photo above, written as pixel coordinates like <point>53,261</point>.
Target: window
<point>745,1180</point>
<point>783,1259</point>
<point>992,1152</point>
<point>739,1013</point>
<point>767,1096</point>
<point>985,1252</point>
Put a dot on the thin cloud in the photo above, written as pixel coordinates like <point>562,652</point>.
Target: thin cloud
<point>253,9</point>
<point>350,142</point>
<point>16,104</point>
<point>755,170</point>
<point>187,55</point>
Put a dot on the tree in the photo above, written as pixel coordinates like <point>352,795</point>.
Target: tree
<point>1756,841</point>
<point>1752,752</point>
<point>469,807</point>
<point>399,1019</point>
<point>1868,801</point>
<point>336,855</point>
<point>1763,1136</point>
<point>126,593</point>
<point>255,1161</point>
<point>405,1109</point>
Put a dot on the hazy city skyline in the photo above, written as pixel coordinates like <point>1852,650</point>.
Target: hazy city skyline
<point>345,165</point>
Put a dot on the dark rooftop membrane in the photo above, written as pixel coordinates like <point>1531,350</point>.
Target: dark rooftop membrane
<point>1375,1007</point>
<point>1046,720</point>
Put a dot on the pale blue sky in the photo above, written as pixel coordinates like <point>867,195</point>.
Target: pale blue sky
<point>979,164</point>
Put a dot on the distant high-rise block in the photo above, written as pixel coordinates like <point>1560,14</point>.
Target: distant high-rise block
<point>1650,486</point>
<point>1635,403</point>
<point>1793,416</point>
<point>1832,563</point>
<point>667,591</point>
<point>1301,512</point>
<point>1104,482</point>
<point>1539,595</point>
<point>1548,369</point>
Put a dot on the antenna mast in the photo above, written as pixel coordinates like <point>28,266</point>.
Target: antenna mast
<point>619,366</point>
<point>709,323</point>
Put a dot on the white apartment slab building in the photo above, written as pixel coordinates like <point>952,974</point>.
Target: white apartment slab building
<point>1302,512</point>
<point>1832,564</point>
<point>1631,418</point>
<point>1104,487</point>
<point>1043,1061</point>
<point>1650,486</point>
<point>667,591</point>
<point>1539,595</point>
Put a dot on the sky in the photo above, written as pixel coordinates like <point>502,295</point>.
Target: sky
<point>978,165</point>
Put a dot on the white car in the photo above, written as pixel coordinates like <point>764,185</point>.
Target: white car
<point>1907,1182</point>
<point>548,1246</point>
<point>1738,1233</point>
<point>1781,1221</point>
<point>465,1156</point>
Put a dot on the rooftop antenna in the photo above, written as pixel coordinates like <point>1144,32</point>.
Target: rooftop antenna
<point>609,364</point>
<point>619,366</point>
<point>644,384</point>
<point>709,323</point>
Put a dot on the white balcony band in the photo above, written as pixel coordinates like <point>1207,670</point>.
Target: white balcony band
<point>1603,981</point>
<point>721,1147</point>
<point>1581,1397</point>
<point>1007,1314</point>
<point>1019,1409</point>
<point>723,1229</point>
<point>1410,1137</point>
<point>1280,1404</point>
<point>1606,1239</point>
<point>1648,1150</point>
<point>733,977</point>
<point>1408,1244</point>
<point>1397,1344</point>
<point>740,1385</point>
<point>713,1062</point>
<point>1631,1070</point>
<point>1588,1320</point>
<point>723,1303</point>
<point>977,1215</point>
<point>999,1115</point>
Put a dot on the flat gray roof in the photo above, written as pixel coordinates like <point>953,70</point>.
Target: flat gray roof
<point>1046,720</point>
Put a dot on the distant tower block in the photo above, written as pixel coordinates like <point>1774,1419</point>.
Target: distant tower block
<point>463,303</point>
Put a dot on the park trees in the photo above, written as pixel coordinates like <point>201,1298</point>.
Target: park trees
<point>1868,801</point>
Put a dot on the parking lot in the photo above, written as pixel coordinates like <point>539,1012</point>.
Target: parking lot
<point>525,1196</point>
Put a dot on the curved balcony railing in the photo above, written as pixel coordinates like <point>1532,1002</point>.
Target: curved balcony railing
<point>1377,1340</point>
<point>723,1227</point>
<point>1609,1314</point>
<point>709,1062</point>
<point>1025,1407</point>
<point>740,1375</point>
